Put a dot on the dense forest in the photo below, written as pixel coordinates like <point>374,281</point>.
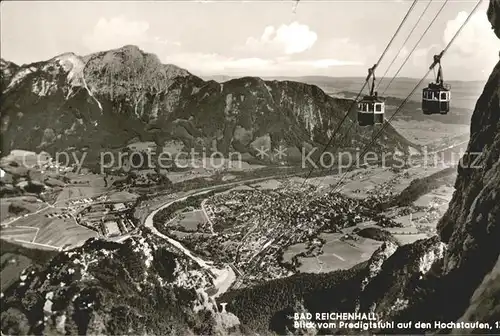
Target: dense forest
<point>268,306</point>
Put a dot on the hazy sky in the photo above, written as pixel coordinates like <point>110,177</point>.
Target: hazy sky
<point>332,38</point>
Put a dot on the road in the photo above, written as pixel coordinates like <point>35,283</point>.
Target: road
<point>448,148</point>
<point>150,224</point>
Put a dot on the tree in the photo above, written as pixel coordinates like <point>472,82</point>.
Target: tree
<point>14,322</point>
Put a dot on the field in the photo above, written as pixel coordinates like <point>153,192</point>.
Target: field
<point>13,207</point>
<point>441,196</point>
<point>39,230</point>
<point>41,224</point>
<point>269,184</point>
<point>86,179</point>
<point>177,177</point>
<point>19,233</point>
<point>72,193</point>
<point>337,254</point>
<point>189,220</point>
<point>81,186</point>
<point>47,221</point>
<point>62,233</point>
<point>359,183</point>
<point>428,131</point>
<point>121,196</point>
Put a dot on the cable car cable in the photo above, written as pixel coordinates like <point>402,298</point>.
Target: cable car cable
<point>440,55</point>
<point>396,33</point>
<point>404,43</point>
<point>361,91</point>
<point>415,47</point>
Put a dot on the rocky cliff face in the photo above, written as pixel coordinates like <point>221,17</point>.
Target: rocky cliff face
<point>7,70</point>
<point>119,95</point>
<point>471,226</point>
<point>494,17</point>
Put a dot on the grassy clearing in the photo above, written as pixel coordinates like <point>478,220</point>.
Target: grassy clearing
<point>62,232</point>
<point>190,220</point>
<point>121,196</point>
<point>336,254</point>
<point>72,193</point>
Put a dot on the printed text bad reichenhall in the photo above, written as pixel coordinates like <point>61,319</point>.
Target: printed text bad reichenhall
<point>337,316</point>
<point>336,320</point>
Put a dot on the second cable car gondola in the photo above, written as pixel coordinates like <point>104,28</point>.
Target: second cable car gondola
<point>436,96</point>
<point>371,109</point>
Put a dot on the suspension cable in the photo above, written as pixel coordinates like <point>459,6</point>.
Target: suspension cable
<point>404,43</point>
<point>361,91</point>
<point>415,47</point>
<point>396,33</point>
<point>412,91</point>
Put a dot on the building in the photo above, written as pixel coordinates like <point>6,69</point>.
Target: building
<point>112,228</point>
<point>119,206</point>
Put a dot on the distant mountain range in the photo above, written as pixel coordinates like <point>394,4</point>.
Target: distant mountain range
<point>464,94</point>
<point>111,98</point>
<point>400,87</point>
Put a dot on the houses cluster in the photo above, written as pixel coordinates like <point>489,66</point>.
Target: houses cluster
<point>81,201</point>
<point>255,226</point>
<point>58,215</point>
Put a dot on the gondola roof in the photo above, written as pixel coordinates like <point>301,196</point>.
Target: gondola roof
<point>438,86</point>
<point>371,99</point>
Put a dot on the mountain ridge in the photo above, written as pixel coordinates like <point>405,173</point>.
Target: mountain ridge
<point>114,96</point>
<point>224,78</point>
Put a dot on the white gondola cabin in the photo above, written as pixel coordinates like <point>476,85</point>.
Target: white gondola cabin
<point>436,96</point>
<point>371,109</point>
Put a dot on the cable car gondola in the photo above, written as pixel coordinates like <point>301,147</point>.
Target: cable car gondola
<point>371,108</point>
<point>437,95</point>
